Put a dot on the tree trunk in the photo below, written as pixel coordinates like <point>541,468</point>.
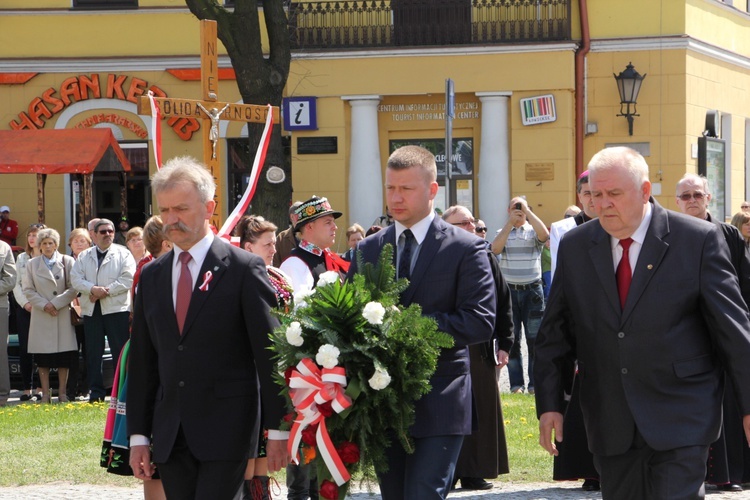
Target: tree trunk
<point>260,80</point>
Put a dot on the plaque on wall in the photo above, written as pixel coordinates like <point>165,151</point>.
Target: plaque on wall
<point>317,145</point>
<point>540,171</point>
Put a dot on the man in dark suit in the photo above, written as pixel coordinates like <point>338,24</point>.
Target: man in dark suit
<point>648,302</point>
<point>451,279</point>
<point>199,364</point>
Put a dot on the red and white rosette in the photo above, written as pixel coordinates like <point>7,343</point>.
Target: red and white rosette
<point>310,386</point>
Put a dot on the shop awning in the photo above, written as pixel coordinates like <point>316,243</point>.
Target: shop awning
<point>66,151</point>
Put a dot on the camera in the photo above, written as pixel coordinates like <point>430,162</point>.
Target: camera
<point>518,206</point>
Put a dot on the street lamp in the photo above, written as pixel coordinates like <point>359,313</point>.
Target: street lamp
<point>629,84</point>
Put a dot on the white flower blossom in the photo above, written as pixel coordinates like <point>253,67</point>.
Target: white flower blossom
<point>294,334</point>
<point>373,313</point>
<point>328,277</point>
<point>380,379</point>
<point>328,356</point>
<point>299,297</point>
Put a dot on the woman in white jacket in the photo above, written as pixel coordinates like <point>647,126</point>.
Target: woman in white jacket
<point>47,287</point>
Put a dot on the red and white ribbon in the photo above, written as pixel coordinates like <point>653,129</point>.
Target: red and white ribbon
<point>260,159</point>
<point>156,128</point>
<point>206,280</point>
<point>310,386</point>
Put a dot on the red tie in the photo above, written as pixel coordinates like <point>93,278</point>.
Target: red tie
<point>184,290</point>
<point>624,272</point>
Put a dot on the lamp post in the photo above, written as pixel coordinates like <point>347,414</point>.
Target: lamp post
<point>628,85</point>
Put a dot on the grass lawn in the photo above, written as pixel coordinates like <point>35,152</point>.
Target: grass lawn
<point>62,442</point>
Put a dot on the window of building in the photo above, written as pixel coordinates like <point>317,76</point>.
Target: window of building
<point>105,4</point>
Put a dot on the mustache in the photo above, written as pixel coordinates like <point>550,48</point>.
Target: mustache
<point>178,226</point>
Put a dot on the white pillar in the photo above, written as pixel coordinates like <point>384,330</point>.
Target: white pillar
<point>494,161</point>
<point>365,177</point>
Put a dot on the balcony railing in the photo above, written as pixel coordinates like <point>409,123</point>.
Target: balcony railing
<point>321,24</point>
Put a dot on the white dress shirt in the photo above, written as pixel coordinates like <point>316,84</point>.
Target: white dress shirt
<point>639,236</point>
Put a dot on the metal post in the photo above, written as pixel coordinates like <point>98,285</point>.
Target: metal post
<point>450,113</point>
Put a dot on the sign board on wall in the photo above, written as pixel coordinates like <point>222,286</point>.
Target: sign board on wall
<point>540,109</point>
<point>317,145</point>
<point>712,165</point>
<point>300,113</point>
<point>540,171</point>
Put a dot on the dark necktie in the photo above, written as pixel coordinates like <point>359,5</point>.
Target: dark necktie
<point>624,272</point>
<point>404,260</point>
<point>184,290</point>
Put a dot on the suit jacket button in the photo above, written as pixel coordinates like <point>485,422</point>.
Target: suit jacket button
<point>621,335</point>
<point>180,348</point>
<point>181,384</point>
<point>624,371</point>
<point>54,293</point>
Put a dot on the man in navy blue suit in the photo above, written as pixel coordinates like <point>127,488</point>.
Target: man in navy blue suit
<point>451,279</point>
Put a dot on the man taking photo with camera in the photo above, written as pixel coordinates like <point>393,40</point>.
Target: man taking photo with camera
<point>519,245</point>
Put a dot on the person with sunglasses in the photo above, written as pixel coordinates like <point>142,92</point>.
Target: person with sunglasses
<point>480,229</point>
<point>103,274</point>
<point>693,197</point>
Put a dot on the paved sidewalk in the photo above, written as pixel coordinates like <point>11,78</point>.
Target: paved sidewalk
<point>502,490</point>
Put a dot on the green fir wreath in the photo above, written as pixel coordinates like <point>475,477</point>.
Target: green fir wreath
<point>388,353</point>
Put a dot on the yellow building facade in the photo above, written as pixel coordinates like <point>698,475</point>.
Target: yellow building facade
<point>516,127</point>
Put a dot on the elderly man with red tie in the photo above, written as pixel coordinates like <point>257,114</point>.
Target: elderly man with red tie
<point>649,304</point>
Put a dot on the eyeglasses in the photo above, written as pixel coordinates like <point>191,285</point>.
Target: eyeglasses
<point>480,229</point>
<point>463,222</point>
<point>106,231</point>
<point>744,206</point>
<point>37,226</point>
<point>687,196</point>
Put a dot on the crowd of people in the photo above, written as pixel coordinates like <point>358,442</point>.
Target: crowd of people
<point>626,338</point>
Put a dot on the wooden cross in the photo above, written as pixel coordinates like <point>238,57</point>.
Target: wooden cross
<point>209,110</point>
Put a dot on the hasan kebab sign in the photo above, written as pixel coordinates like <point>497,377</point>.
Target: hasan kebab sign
<point>97,86</point>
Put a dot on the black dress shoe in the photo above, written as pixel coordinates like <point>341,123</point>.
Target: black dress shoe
<point>730,487</point>
<point>475,483</point>
<point>591,485</point>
